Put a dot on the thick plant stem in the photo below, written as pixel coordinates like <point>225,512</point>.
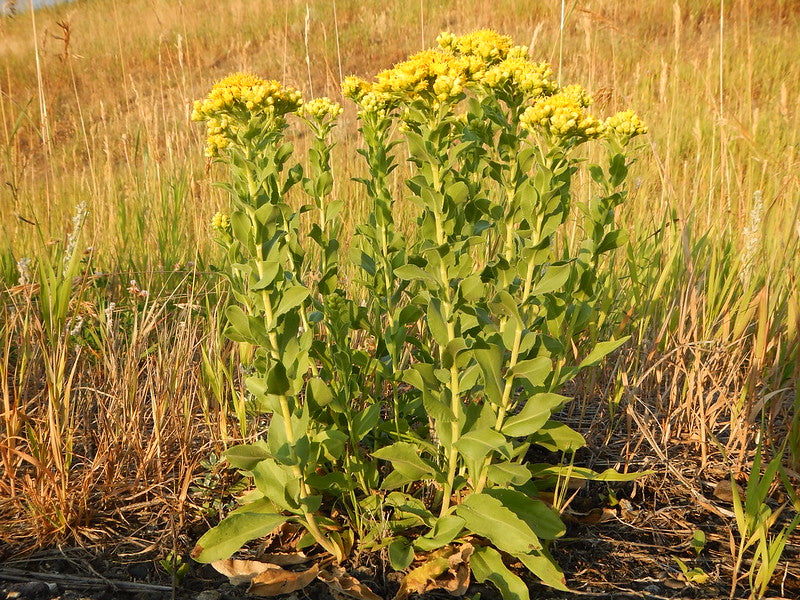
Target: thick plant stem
<point>455,395</point>
<point>504,405</point>
<point>269,318</point>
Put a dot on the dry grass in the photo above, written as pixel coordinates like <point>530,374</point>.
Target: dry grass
<point>709,289</point>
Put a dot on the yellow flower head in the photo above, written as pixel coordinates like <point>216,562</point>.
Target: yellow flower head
<point>623,126</point>
<point>221,222</point>
<point>487,45</point>
<point>428,74</point>
<point>321,109</point>
<point>563,115</point>
<point>519,76</point>
<point>354,88</point>
<point>236,99</point>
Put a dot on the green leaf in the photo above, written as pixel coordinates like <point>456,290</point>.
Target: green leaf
<point>239,321</point>
<point>554,278</point>
<point>291,298</point>
<point>421,376</point>
<point>278,483</point>
<point>324,184</point>
<point>458,192</point>
<point>472,288</point>
<point>232,533</point>
<point>405,459</point>
<point>366,420</point>
<point>475,445</point>
<point>535,370</point>
<point>318,392</point>
<point>600,351</point>
<point>543,520</point>
<point>436,409</point>
<point>613,239</point>
<point>401,554</point>
<point>413,272</point>
<point>555,436</point>
<point>487,564</point>
<point>407,506</point>
<point>545,470</point>
<point>534,414</point>
<point>617,169</point>
<point>395,480</point>
<point>277,381</point>
<point>445,530</point>
<point>541,564</point>
<point>241,227</point>
<point>436,322</point>
<point>508,473</point>
<point>246,456</point>
<point>490,358</point>
<point>486,516</point>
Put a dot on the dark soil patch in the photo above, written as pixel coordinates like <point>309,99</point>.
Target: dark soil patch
<point>623,551</point>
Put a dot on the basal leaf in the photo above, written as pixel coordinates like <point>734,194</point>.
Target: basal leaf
<point>445,530</point>
<point>401,554</point>
<point>541,564</point>
<point>487,564</point>
<point>232,533</point>
<point>542,519</point>
<point>486,516</point>
<point>545,470</point>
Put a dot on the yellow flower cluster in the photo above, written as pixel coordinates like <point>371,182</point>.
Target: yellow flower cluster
<point>321,109</point>
<point>369,101</point>
<point>354,88</point>
<point>487,45</point>
<point>493,64</point>
<point>563,115</point>
<point>221,222</point>
<point>429,73</point>
<point>519,75</point>
<point>624,126</point>
<point>237,98</point>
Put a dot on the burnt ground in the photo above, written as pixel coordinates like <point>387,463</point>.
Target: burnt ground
<point>621,542</point>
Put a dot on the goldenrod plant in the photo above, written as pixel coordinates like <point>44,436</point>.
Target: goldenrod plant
<point>427,396</point>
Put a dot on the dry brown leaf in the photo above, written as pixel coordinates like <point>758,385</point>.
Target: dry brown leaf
<point>340,582</point>
<point>277,581</point>
<point>591,517</point>
<point>446,569</point>
<point>241,571</point>
<point>285,559</point>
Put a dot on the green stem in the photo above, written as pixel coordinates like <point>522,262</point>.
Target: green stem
<point>505,404</point>
<point>311,523</point>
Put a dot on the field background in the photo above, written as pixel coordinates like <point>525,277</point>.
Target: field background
<point>95,98</point>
